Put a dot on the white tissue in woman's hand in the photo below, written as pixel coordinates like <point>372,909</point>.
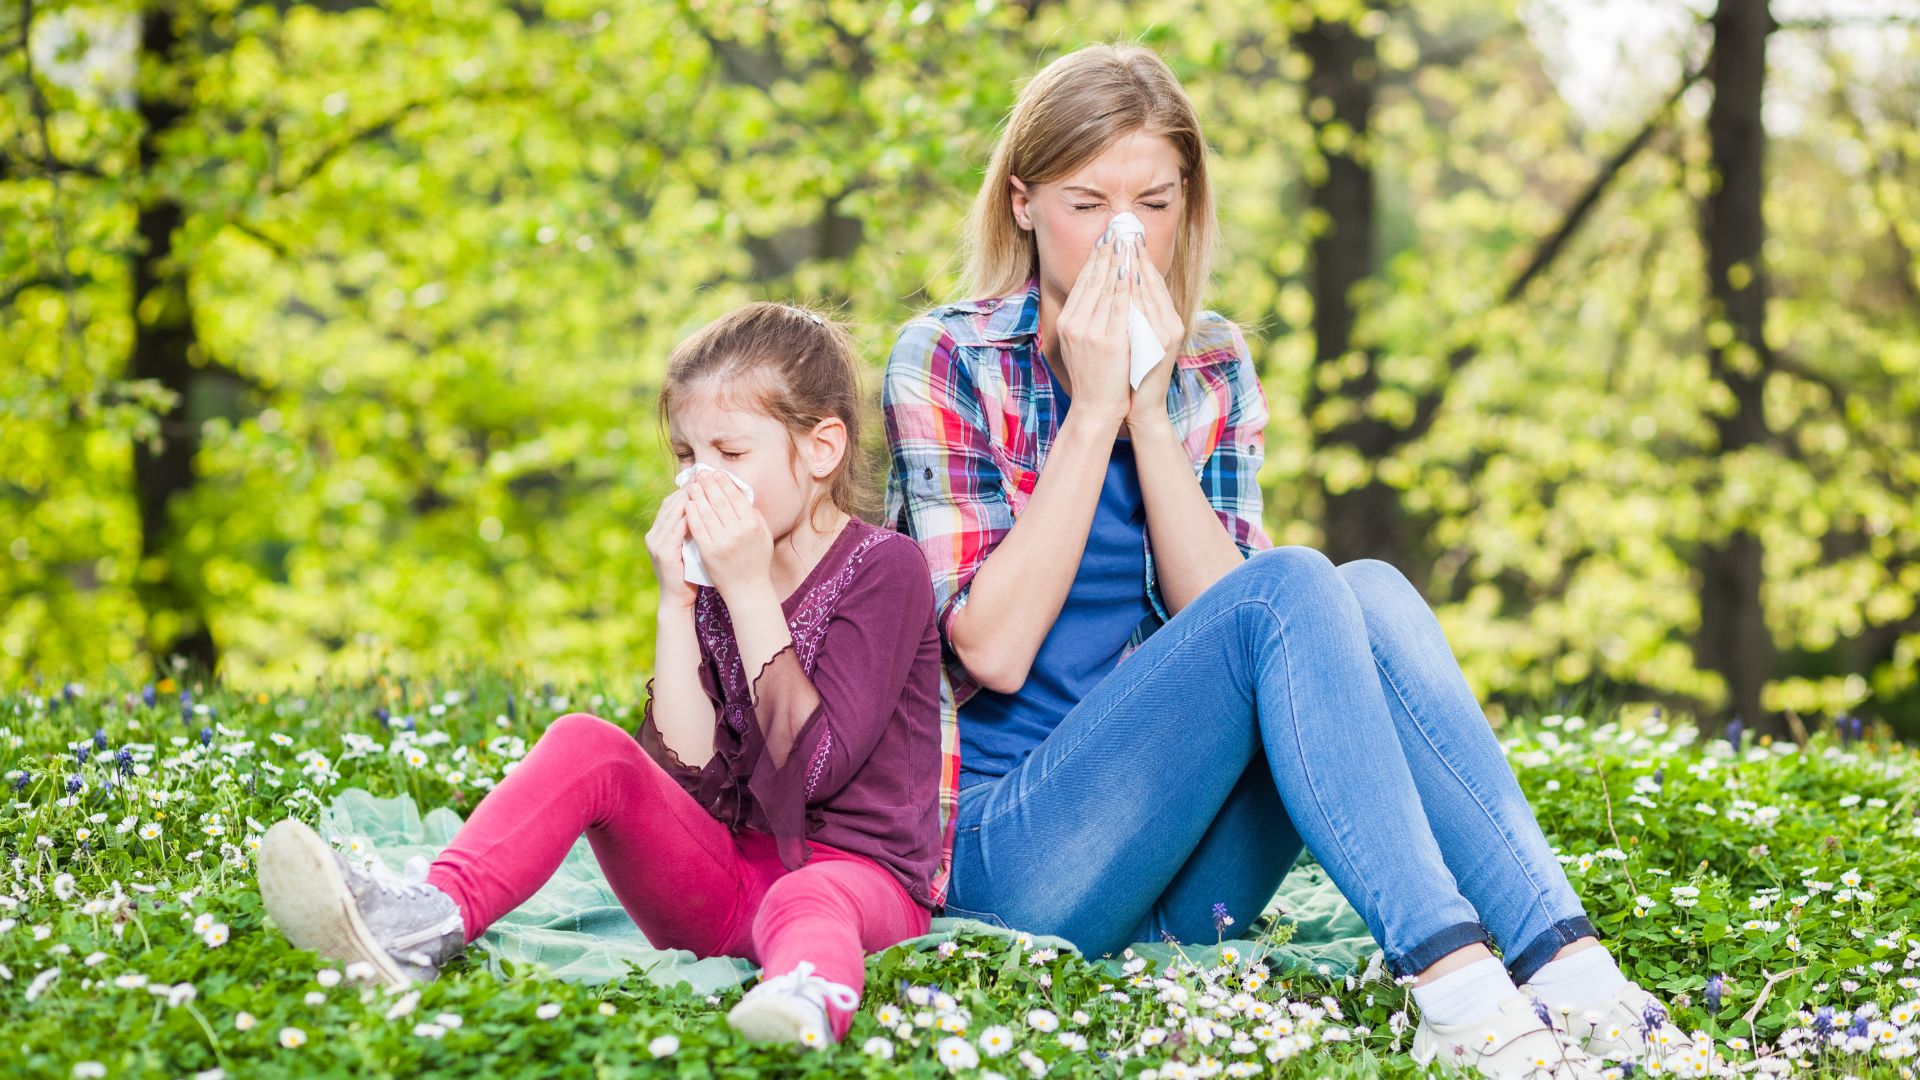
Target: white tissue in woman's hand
<point>1145,344</point>
<point>689,551</point>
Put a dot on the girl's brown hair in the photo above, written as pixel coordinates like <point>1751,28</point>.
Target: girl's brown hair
<point>792,363</point>
<point>1066,116</point>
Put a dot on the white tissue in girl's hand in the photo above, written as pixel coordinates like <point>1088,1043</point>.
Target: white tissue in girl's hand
<point>690,552</point>
<point>1144,343</point>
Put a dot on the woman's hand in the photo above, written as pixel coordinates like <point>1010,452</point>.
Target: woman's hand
<point>735,545</point>
<point>1092,332</point>
<point>664,542</point>
<point>1149,403</point>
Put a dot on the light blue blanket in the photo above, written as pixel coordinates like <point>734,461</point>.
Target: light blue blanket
<point>577,930</point>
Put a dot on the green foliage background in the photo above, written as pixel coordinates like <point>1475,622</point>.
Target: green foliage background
<point>434,253</point>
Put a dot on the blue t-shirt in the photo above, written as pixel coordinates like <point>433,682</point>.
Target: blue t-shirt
<point>1102,609</point>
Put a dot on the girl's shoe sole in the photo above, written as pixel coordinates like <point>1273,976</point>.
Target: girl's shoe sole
<point>303,890</point>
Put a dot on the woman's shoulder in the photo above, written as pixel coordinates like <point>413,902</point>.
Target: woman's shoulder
<point>984,320</point>
<point>1215,339</point>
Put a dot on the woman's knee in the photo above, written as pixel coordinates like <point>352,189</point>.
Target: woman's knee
<point>1288,572</point>
<point>1381,588</point>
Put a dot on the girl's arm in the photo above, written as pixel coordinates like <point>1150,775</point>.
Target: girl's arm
<point>679,707</point>
<point>678,711</point>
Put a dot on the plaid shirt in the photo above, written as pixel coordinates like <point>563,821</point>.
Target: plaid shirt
<point>969,416</point>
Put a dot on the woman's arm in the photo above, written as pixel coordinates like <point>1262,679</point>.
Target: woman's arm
<point>1190,549</point>
<point>1018,592</point>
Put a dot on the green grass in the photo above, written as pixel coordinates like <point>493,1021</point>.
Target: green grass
<point>1636,809</point>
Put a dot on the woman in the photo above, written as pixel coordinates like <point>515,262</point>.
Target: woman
<point>1155,709</point>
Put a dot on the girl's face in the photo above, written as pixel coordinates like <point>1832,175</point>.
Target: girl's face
<point>787,472</point>
<point>1139,173</point>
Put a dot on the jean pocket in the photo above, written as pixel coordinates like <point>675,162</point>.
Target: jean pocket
<point>951,911</point>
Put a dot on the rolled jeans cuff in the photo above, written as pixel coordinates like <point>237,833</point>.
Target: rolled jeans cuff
<point>1528,961</point>
<point>1427,953</point>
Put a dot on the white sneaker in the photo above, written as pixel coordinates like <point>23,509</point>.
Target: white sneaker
<point>792,1008</point>
<point>1625,1026</point>
<point>1514,1042</point>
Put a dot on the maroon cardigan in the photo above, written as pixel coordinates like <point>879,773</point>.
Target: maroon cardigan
<point>837,739</point>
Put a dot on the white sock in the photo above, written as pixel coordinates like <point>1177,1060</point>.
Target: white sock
<point>1471,994</point>
<point>1582,980</point>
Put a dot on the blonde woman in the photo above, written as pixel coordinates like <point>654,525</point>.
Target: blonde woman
<point>1156,710</point>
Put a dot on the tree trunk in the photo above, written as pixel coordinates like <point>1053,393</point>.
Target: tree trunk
<point>1365,522</point>
<point>1733,639</point>
<point>163,343</point>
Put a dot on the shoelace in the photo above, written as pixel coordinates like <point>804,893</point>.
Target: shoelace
<point>412,887</point>
<point>815,988</point>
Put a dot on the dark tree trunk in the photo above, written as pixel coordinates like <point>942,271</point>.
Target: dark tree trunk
<point>1733,639</point>
<point>163,344</point>
<point>1366,522</point>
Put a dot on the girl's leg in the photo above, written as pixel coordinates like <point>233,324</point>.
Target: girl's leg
<point>675,869</point>
<point>1086,834</point>
<point>1486,831</point>
<point>831,914</point>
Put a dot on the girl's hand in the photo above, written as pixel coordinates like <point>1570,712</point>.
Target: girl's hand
<point>735,545</point>
<point>1092,331</point>
<point>1150,294</point>
<point>664,542</point>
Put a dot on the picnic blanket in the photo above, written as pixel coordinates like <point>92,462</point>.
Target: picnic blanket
<point>577,931</point>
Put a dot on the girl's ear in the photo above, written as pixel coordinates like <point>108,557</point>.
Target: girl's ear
<point>825,445</point>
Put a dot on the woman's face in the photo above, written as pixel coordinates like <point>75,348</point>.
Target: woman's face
<point>786,472</point>
<point>1139,173</point>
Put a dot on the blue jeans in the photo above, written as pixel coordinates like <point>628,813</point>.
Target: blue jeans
<point>1291,704</point>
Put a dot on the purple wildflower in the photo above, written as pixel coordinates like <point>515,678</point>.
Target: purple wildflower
<point>1736,732</point>
<point>1545,1014</point>
<point>381,714</point>
<point>1221,920</point>
<point>1652,1019</point>
<point>1823,1021</point>
<point>80,753</point>
<point>20,782</point>
<point>147,696</point>
<point>74,784</point>
<point>124,759</point>
<point>1858,1029</point>
<point>99,738</point>
<point>1716,989</point>
<point>206,736</point>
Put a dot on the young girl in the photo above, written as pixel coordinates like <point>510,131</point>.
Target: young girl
<point>780,800</point>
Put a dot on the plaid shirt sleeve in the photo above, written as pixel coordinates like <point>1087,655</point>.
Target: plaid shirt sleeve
<point>1231,474</point>
<point>944,489</point>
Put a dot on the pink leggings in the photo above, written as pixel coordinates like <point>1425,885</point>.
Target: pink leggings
<point>686,879</point>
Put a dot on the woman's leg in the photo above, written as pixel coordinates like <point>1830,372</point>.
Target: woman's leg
<point>1091,829</point>
<point>675,869</point>
<point>1240,860</point>
<point>831,914</point>
<point>1485,829</point>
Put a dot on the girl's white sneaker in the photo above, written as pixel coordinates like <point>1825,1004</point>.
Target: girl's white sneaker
<point>792,1008</point>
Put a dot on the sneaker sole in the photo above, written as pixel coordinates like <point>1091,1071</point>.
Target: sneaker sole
<point>308,899</point>
<point>769,1020</point>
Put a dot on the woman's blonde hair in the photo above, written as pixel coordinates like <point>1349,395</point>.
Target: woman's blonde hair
<point>1066,116</point>
<point>792,363</point>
